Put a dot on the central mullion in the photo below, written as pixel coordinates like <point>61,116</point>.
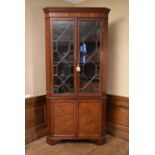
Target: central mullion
<point>75,73</point>
<point>76,56</point>
<point>76,59</point>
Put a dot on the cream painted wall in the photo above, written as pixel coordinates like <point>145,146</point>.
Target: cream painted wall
<point>35,82</point>
<point>117,52</point>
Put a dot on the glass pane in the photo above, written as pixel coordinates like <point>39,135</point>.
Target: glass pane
<point>63,56</point>
<point>89,42</point>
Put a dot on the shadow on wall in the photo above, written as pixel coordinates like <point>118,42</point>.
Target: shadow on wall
<point>114,30</point>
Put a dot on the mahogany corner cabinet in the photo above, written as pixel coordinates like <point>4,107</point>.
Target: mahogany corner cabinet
<point>76,46</point>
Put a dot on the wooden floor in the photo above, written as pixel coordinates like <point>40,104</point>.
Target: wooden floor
<point>113,146</point>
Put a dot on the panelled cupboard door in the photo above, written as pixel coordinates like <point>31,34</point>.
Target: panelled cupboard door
<point>89,118</point>
<point>63,118</point>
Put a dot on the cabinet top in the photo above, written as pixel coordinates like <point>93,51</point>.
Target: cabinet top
<point>76,9</point>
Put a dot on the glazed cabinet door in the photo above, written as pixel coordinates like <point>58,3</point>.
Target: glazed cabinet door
<point>62,55</point>
<point>89,57</point>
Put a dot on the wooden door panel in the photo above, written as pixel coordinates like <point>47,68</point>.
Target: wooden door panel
<point>89,117</point>
<point>64,118</point>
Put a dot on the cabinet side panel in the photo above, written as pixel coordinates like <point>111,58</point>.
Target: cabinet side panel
<point>89,118</point>
<point>104,55</point>
<point>48,55</point>
<point>63,118</point>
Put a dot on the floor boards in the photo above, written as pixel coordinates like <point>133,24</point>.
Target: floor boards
<point>113,146</point>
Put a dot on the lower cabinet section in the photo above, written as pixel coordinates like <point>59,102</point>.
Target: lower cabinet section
<point>76,119</point>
